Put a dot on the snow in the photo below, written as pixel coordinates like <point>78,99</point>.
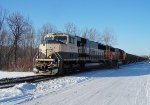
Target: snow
<point>5,74</point>
<point>128,85</point>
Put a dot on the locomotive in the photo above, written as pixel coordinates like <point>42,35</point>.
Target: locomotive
<point>61,53</point>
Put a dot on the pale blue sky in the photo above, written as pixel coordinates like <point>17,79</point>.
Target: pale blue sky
<point>130,19</point>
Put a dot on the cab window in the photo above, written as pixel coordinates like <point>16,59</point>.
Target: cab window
<point>71,40</point>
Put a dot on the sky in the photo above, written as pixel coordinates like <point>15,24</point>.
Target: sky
<point>129,19</point>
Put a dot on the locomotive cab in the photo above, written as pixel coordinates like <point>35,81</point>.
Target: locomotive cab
<point>52,52</point>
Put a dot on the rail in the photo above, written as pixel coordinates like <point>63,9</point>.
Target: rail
<point>10,82</point>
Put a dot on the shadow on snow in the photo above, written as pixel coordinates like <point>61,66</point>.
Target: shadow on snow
<point>135,69</point>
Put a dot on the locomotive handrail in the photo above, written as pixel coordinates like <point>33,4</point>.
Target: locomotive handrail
<point>58,56</point>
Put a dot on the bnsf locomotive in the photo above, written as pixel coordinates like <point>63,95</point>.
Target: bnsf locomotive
<point>61,53</point>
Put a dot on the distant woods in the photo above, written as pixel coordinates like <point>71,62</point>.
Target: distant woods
<point>19,40</point>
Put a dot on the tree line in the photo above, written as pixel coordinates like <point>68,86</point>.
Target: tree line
<point>19,40</point>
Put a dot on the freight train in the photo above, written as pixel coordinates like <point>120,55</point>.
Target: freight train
<point>61,53</point>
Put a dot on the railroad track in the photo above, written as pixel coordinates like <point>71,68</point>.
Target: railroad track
<point>10,82</point>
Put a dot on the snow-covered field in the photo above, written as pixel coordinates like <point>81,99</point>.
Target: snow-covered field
<point>5,74</point>
<point>129,85</point>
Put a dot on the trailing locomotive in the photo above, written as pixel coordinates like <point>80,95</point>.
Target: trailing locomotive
<point>61,53</point>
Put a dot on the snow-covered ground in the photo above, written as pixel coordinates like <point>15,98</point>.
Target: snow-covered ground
<point>129,85</point>
<point>5,74</point>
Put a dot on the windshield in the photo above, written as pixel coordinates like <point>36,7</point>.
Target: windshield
<point>59,39</point>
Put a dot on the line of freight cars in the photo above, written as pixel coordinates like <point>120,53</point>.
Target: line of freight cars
<point>61,53</point>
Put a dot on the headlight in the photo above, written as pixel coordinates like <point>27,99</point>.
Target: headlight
<point>35,70</point>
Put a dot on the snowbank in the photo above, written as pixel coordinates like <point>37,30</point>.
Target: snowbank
<point>4,74</point>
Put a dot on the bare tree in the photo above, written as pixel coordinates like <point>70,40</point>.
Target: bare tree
<point>71,28</point>
<point>2,17</point>
<point>91,34</point>
<point>28,43</point>
<point>46,28</point>
<point>108,37</point>
<point>26,50</point>
<point>18,26</point>
<point>17,42</point>
<point>2,35</point>
<point>3,39</point>
<point>85,33</point>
